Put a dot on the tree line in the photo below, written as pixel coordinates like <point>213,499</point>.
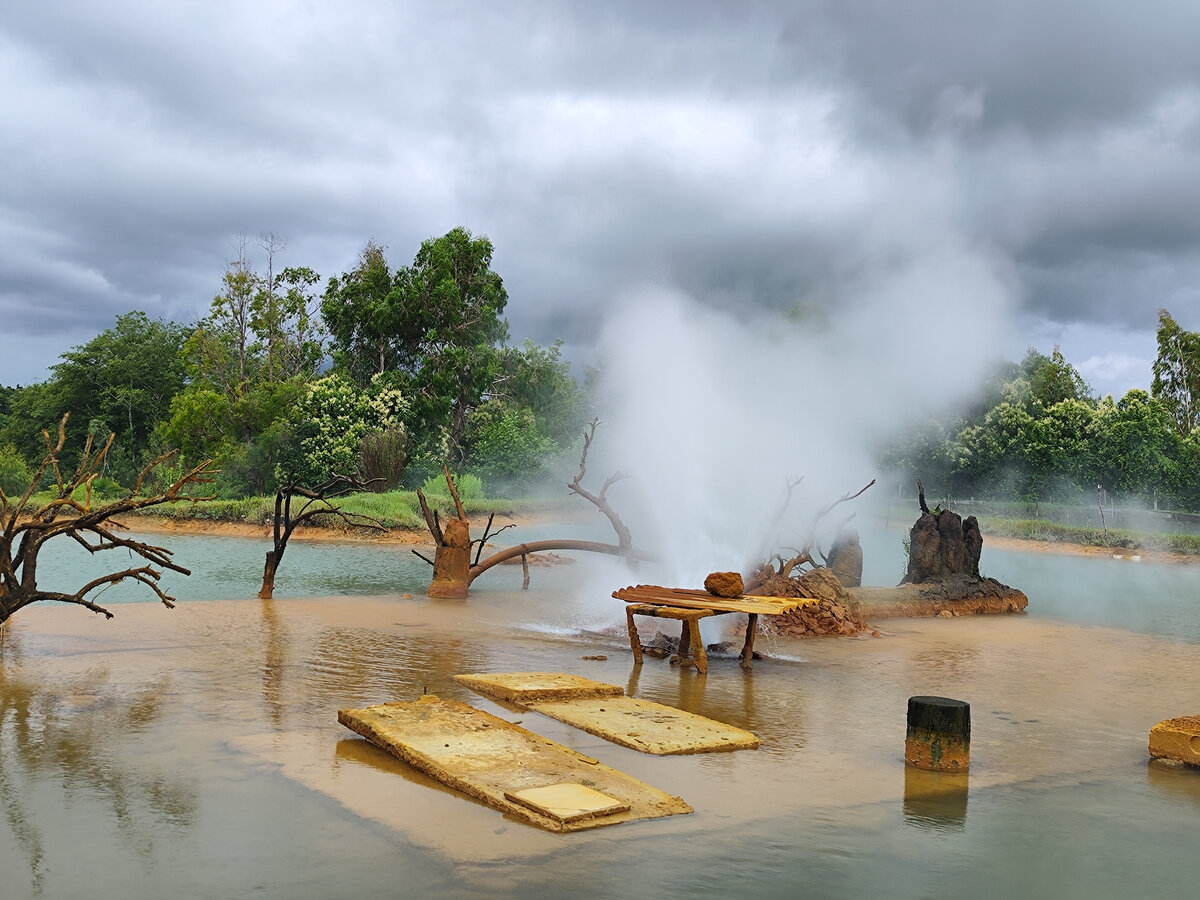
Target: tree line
<point>1038,434</point>
<point>390,373</point>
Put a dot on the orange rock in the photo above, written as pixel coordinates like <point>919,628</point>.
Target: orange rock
<point>1177,739</point>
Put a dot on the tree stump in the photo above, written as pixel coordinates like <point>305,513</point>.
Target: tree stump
<point>939,734</point>
<point>452,562</point>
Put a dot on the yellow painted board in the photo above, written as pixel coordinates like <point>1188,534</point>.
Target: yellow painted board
<point>527,687</point>
<point>686,599</point>
<point>488,758</point>
<point>647,726</point>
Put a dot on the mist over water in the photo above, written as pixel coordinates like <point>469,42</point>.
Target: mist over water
<point>712,413</point>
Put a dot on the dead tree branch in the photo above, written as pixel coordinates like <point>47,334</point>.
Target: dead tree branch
<point>72,512</point>
<point>600,500</point>
<point>318,500</point>
<point>804,554</point>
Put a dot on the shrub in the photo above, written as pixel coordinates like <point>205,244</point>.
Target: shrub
<point>15,473</point>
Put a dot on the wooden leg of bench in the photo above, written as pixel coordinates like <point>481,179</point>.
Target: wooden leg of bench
<point>698,653</point>
<point>635,639</point>
<point>748,649</point>
<point>682,655</point>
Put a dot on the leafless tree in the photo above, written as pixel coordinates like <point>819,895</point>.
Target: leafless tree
<point>72,512</point>
<point>311,502</point>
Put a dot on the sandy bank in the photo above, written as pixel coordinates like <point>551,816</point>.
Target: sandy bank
<point>172,525</point>
<point>1067,549</point>
<point>418,537</point>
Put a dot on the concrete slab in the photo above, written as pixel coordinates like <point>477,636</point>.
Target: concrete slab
<point>647,726</point>
<point>488,758</point>
<point>530,687</point>
<point>1177,739</point>
<point>568,802</point>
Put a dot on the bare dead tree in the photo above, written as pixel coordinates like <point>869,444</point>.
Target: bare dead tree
<point>72,513</point>
<point>314,501</point>
<point>600,501</point>
<point>453,570</point>
<point>778,564</point>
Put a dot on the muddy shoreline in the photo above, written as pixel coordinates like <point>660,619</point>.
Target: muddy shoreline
<point>418,537</point>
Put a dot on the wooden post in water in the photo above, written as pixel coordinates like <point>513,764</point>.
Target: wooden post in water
<point>939,734</point>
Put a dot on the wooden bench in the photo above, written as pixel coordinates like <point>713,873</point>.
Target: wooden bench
<point>689,607</point>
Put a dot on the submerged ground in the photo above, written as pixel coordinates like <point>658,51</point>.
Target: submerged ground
<point>197,752</point>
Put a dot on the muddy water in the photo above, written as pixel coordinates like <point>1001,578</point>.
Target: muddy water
<point>196,752</point>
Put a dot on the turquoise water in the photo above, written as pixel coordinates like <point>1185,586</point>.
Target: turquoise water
<point>195,752</point>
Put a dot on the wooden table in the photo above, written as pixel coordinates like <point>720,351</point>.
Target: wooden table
<point>689,607</point>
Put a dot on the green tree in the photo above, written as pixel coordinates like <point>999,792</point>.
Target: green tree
<point>507,448</point>
<point>122,382</point>
<point>454,304</point>
<point>540,380</point>
<point>1177,373</point>
<point>1052,379</point>
<point>437,324</point>
<point>1135,446</point>
<point>248,361</point>
<point>365,313</point>
<point>330,424</point>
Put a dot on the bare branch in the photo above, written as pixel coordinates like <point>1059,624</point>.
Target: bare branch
<point>600,501</point>
<point>25,531</point>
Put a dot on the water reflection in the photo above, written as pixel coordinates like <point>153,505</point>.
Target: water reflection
<point>66,733</point>
<point>935,800</point>
<point>1175,781</point>
<point>275,662</point>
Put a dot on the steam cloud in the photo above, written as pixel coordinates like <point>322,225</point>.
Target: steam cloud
<point>711,414</point>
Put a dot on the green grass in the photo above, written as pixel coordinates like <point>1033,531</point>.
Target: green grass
<point>1117,538</point>
<point>395,509</point>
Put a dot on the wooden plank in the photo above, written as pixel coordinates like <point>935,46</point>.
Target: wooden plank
<point>689,599</point>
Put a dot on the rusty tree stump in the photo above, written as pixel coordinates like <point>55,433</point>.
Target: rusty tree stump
<point>939,734</point>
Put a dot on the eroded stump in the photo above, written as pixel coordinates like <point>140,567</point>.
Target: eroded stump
<point>939,734</point>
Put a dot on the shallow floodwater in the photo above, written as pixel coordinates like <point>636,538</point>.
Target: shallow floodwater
<point>196,752</point>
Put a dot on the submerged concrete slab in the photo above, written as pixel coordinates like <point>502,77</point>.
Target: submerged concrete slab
<point>1177,739</point>
<point>647,726</point>
<point>490,759</point>
<point>530,687</point>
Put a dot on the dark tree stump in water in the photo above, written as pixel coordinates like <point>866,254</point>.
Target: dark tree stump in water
<point>939,734</point>
<point>943,545</point>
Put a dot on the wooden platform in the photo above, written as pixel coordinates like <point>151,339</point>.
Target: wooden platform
<point>689,607</point>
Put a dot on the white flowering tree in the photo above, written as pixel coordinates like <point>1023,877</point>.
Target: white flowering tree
<point>323,464</point>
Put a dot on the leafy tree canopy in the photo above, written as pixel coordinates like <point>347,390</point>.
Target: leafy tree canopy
<point>1177,373</point>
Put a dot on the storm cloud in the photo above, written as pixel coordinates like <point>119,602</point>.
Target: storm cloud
<point>748,156</point>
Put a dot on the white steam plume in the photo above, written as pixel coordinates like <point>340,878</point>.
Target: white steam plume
<point>711,414</point>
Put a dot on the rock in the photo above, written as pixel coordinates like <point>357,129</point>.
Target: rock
<point>823,585</point>
<point>1177,739</point>
<point>846,558</point>
<point>724,584</point>
<point>943,546</point>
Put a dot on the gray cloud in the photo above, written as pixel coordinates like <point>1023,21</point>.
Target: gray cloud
<point>751,155</point>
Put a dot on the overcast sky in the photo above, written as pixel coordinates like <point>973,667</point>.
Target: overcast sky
<point>746,155</point>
